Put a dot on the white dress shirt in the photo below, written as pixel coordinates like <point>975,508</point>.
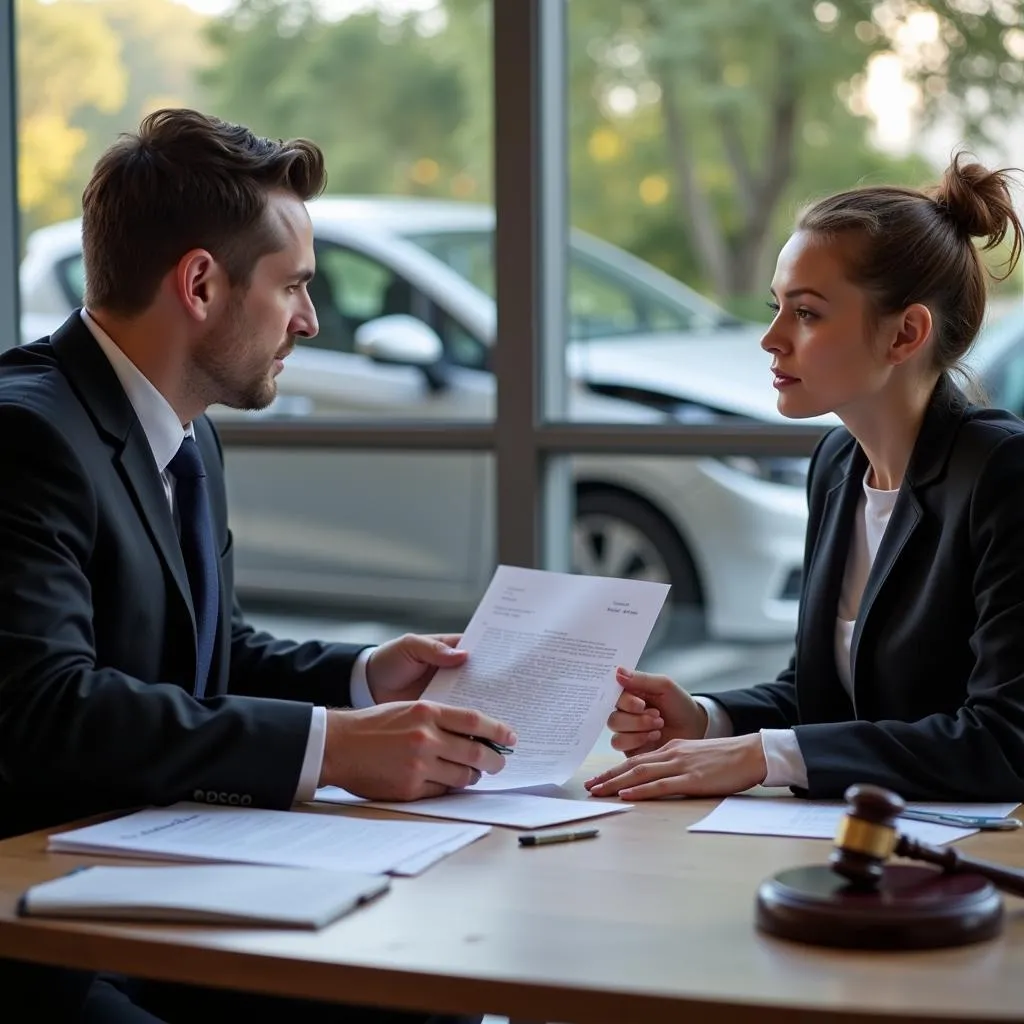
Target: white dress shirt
<point>786,766</point>
<point>165,433</point>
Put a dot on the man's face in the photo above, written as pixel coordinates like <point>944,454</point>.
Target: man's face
<point>243,351</point>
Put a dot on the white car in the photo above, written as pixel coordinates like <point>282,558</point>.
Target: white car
<point>404,295</point>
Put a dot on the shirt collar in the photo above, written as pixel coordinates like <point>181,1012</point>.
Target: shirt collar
<point>159,421</point>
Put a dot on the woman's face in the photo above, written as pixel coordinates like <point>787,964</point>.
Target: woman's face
<point>827,353</point>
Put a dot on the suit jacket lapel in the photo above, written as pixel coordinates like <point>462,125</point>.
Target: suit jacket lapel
<point>906,514</point>
<point>92,376</point>
<point>927,460</point>
<point>823,698</point>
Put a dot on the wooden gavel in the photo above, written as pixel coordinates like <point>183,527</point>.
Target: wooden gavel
<point>867,838</point>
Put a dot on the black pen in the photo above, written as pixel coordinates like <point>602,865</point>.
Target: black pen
<point>557,837</point>
<point>498,748</point>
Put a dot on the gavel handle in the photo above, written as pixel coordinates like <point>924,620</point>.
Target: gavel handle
<point>1007,879</point>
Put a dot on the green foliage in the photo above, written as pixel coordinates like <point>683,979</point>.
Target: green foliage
<point>389,109</point>
<point>88,70</point>
<point>696,128</point>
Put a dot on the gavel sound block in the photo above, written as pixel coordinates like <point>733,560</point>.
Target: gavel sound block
<point>858,900</point>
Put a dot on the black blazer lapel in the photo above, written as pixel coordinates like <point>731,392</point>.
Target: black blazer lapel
<point>93,378</point>
<point>821,694</point>
<point>906,515</point>
<point>927,461</point>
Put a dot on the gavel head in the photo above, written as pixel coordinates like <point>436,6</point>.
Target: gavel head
<point>866,836</point>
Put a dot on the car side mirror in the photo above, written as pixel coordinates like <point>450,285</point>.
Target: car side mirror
<point>400,340</point>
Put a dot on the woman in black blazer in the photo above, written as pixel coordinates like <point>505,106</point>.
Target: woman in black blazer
<point>909,663</point>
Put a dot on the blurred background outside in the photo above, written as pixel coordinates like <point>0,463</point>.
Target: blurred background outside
<point>696,130</point>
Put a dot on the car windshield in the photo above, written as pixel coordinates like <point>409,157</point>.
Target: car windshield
<point>605,300</point>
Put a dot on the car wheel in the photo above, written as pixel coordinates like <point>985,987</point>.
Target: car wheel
<point>620,535</point>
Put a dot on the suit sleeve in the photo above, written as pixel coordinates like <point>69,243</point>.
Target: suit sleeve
<point>264,666</point>
<point>765,706</point>
<point>84,734</point>
<point>976,753</point>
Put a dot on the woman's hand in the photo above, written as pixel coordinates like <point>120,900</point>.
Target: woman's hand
<point>717,767</point>
<point>651,710</point>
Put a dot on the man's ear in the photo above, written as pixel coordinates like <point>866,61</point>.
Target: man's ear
<point>913,329</point>
<point>199,281</point>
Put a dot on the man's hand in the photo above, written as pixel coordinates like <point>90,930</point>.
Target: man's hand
<point>408,750</point>
<point>400,669</point>
<point>651,710</point>
<point>718,767</point>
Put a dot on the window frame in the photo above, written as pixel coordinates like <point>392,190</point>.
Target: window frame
<point>530,436</point>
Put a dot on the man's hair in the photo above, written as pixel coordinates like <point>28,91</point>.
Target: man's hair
<point>185,181</point>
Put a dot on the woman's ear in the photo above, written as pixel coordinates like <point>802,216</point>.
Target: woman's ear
<point>913,329</point>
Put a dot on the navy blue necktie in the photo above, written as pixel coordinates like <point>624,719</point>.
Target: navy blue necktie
<point>199,550</point>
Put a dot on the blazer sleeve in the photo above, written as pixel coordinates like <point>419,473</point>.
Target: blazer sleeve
<point>79,733</point>
<point>765,706</point>
<point>976,753</point>
<point>265,666</point>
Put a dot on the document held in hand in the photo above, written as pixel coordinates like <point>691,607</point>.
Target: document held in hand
<point>237,894</point>
<point>543,648</point>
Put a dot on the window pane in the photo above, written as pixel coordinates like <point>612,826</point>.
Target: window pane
<point>696,133</point>
<point>399,97</point>
<point>610,292</point>
<point>332,535</point>
<point>727,534</point>
<point>409,531</point>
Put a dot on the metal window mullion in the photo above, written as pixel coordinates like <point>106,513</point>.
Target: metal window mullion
<point>563,438</point>
<point>551,102</point>
<point>517,350</point>
<point>530,244</point>
<point>10,242</point>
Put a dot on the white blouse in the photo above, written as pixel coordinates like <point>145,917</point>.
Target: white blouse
<point>873,513</point>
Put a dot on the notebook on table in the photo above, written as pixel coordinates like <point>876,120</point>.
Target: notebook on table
<point>236,894</point>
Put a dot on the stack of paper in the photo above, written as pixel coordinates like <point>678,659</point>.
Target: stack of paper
<point>518,810</point>
<point>201,893</point>
<point>250,835</point>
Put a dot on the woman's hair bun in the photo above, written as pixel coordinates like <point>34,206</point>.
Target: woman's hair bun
<point>976,199</point>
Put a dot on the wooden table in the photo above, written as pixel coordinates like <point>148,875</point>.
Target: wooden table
<point>647,923</point>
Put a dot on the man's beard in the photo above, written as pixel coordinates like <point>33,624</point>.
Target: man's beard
<point>227,369</point>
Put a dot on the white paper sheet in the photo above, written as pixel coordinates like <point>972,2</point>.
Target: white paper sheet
<point>787,816</point>
<point>518,810</point>
<point>250,835</point>
<point>543,648</point>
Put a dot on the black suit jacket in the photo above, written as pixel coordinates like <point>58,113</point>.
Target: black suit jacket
<point>938,649</point>
<point>97,631</point>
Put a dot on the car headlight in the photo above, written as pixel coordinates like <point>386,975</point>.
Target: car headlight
<point>774,469</point>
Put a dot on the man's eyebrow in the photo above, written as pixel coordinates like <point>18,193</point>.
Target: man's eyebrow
<point>795,293</point>
<point>303,276</point>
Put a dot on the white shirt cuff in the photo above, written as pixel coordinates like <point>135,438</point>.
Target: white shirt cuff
<point>786,765</point>
<point>719,722</point>
<point>313,762</point>
<point>358,684</point>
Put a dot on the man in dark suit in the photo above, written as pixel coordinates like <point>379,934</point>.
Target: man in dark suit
<point>128,674</point>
